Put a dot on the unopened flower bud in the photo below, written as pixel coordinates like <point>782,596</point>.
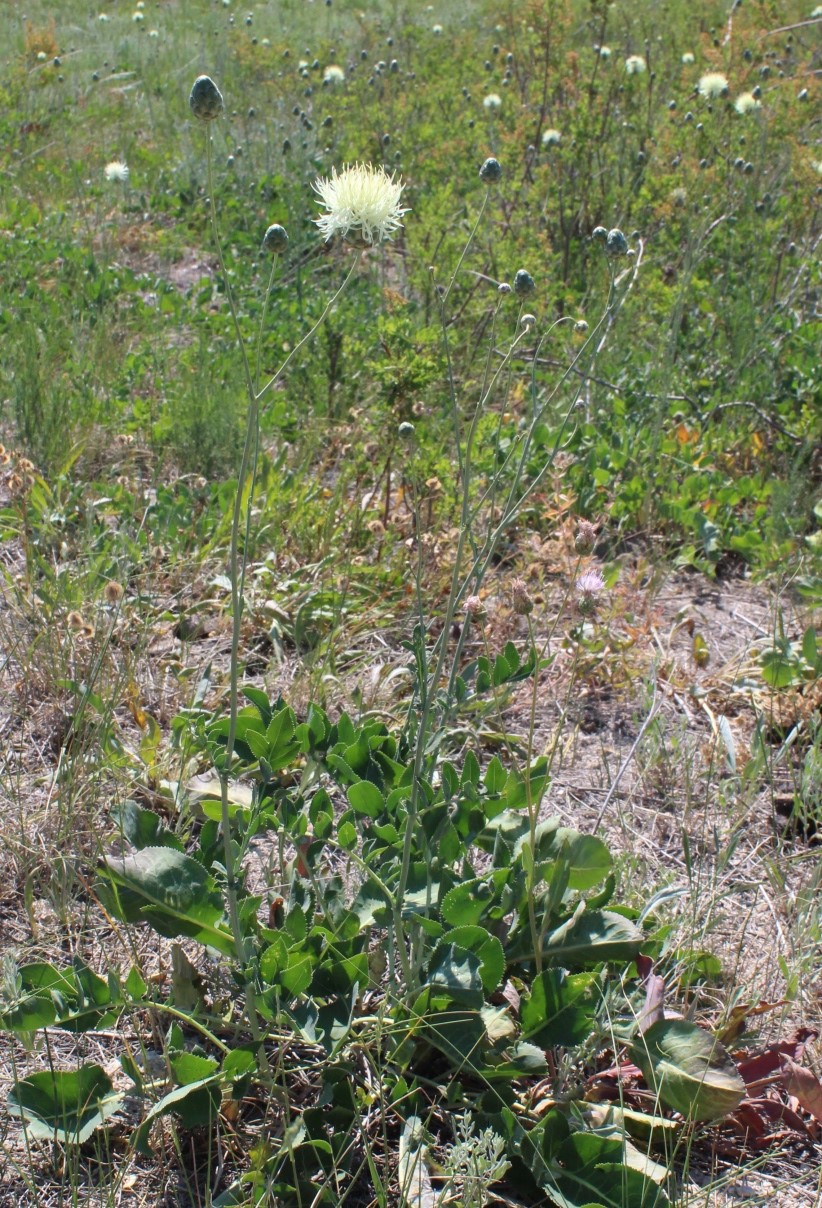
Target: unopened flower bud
<point>528,320</point>
<point>206,100</point>
<point>491,170</point>
<point>616,244</point>
<point>275,239</point>
<point>581,326</point>
<point>406,431</point>
<point>600,234</point>
<point>504,288</point>
<point>523,283</point>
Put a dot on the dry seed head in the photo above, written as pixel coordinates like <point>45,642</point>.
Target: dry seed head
<point>113,592</point>
<point>520,599</point>
<point>585,537</point>
<point>475,609</point>
<point>75,621</point>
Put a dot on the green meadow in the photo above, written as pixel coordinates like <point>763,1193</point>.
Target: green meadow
<point>410,604</point>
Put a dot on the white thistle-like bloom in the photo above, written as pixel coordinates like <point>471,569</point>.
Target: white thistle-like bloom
<point>116,171</point>
<point>605,52</point>
<point>492,102</point>
<point>551,138</point>
<point>436,29</point>
<point>590,583</point>
<point>363,204</point>
<point>138,16</point>
<point>746,103</point>
<point>688,58</point>
<point>635,64</point>
<point>103,17</point>
<point>333,74</point>
<point>713,85</point>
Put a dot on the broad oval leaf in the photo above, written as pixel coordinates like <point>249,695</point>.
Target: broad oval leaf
<point>485,946</point>
<point>171,891</point>
<point>561,1008</point>
<point>688,1069</point>
<point>64,1106</point>
<point>593,936</point>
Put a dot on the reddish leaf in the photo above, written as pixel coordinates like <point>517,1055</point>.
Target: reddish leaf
<point>756,1070</point>
<point>653,1011</point>
<point>803,1085</point>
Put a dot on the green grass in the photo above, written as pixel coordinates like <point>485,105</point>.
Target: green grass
<point>297,947</point>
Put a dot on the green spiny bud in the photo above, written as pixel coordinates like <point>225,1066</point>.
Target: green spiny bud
<point>523,283</point>
<point>206,100</point>
<point>275,239</point>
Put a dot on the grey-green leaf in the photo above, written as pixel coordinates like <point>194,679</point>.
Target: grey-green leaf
<point>689,1069</point>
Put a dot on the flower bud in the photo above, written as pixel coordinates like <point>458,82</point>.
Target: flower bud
<point>503,288</point>
<point>581,326</point>
<point>406,431</point>
<point>275,239</point>
<point>616,244</point>
<point>523,283</point>
<point>528,320</point>
<point>491,170</point>
<point>599,234</point>
<point>206,100</point>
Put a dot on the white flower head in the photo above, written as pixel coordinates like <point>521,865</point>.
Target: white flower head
<point>605,52</point>
<point>591,582</point>
<point>333,74</point>
<point>103,17</point>
<point>635,64</point>
<point>436,29</point>
<point>746,102</point>
<point>138,16</point>
<point>363,204</point>
<point>688,58</point>
<point>713,85</point>
<point>492,102</point>
<point>116,171</point>
<point>551,138</point>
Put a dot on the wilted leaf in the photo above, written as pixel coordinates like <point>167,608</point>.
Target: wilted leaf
<point>803,1085</point>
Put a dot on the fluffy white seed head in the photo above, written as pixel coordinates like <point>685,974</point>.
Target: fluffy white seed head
<point>116,171</point>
